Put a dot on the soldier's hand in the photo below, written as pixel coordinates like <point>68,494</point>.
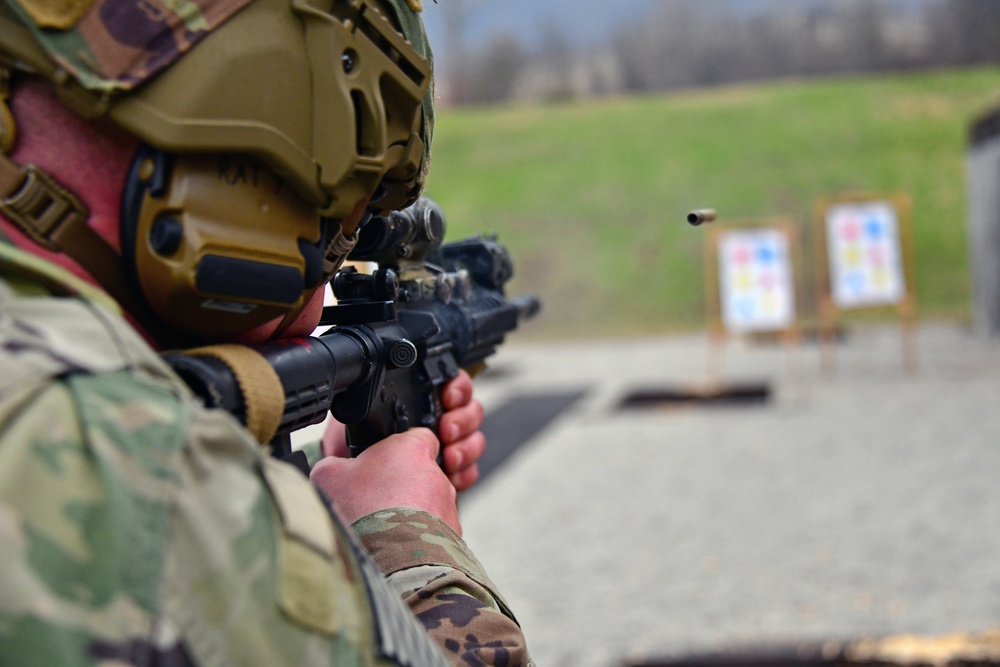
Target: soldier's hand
<point>463,443</point>
<point>400,471</point>
<point>460,435</point>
